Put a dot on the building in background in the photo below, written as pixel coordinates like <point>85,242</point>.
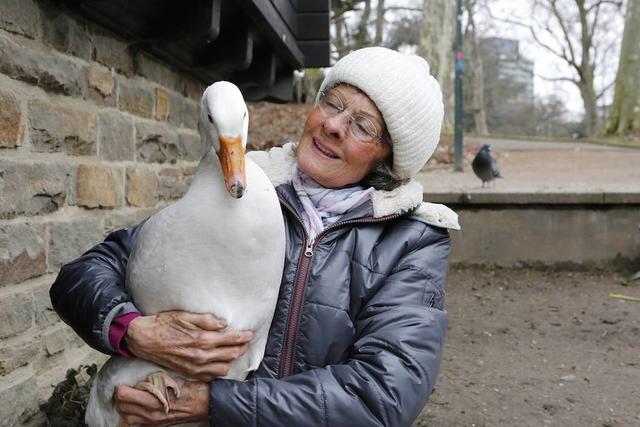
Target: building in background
<point>508,88</point>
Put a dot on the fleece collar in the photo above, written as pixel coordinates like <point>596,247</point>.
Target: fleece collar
<point>277,164</point>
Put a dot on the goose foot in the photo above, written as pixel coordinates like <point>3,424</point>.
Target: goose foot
<point>159,384</point>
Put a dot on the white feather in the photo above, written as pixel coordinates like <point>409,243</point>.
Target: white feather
<point>207,253</point>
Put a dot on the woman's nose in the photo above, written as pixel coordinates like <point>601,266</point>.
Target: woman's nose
<point>336,125</point>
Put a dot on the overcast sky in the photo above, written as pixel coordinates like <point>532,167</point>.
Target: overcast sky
<point>546,64</point>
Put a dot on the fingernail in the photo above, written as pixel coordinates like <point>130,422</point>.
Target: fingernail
<point>223,323</point>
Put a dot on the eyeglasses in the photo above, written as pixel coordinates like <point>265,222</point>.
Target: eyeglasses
<point>359,126</point>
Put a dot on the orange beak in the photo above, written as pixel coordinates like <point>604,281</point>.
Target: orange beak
<point>231,157</point>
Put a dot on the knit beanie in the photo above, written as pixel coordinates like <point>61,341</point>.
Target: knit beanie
<point>408,97</point>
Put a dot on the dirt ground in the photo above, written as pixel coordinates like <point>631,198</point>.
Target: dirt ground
<point>533,348</point>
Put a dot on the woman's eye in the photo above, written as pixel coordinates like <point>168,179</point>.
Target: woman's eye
<point>333,105</point>
<point>365,128</point>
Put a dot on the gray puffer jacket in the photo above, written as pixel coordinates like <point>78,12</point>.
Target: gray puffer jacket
<point>358,330</point>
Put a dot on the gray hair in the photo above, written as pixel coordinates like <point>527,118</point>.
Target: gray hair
<point>382,177</point>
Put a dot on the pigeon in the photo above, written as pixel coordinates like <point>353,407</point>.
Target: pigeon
<point>485,166</point>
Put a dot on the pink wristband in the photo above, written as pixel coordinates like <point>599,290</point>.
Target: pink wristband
<point>117,331</point>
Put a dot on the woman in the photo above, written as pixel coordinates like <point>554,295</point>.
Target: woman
<point>358,330</point>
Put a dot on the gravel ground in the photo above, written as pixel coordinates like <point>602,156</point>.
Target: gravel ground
<point>534,348</point>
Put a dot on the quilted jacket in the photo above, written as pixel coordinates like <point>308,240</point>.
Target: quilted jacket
<point>359,325</point>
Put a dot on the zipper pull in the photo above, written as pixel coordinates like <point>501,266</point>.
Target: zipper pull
<point>308,251</point>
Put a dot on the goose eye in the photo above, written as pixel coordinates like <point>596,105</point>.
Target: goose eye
<point>244,115</point>
<point>210,118</point>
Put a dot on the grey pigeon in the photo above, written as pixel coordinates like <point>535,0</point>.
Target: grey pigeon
<point>485,166</point>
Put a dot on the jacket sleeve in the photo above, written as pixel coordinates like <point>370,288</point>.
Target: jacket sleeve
<point>89,291</point>
<point>392,368</point>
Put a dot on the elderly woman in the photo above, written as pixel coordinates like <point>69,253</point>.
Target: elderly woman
<point>359,325</point>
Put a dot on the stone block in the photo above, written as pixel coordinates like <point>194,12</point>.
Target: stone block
<point>16,313</point>
<point>173,183</point>
<point>17,352</point>
<point>70,239</point>
<point>55,128</point>
<point>21,17</point>
<point>158,72</point>
<point>10,115</point>
<point>101,80</point>
<point>155,143</point>
<point>111,51</point>
<point>193,89</point>
<point>135,97</point>
<point>64,32</point>
<point>32,188</point>
<point>115,136</point>
<point>98,186</point>
<point>18,399</point>
<point>22,252</point>
<point>54,341</point>
<point>142,188</point>
<point>49,70</point>
<point>44,313</point>
<point>162,105</point>
<point>190,145</point>
<point>183,112</point>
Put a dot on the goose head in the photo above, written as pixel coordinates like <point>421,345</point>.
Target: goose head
<point>224,123</point>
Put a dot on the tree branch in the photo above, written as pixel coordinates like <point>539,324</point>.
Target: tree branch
<point>558,79</point>
<point>604,89</point>
<point>565,31</point>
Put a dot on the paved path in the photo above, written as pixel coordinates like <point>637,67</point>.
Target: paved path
<point>543,168</point>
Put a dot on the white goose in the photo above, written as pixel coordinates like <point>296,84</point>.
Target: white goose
<point>209,252</point>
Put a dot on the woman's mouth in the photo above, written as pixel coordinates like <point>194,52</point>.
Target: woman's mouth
<point>324,151</point>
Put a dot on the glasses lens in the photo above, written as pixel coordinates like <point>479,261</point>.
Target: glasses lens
<point>330,104</point>
<point>362,128</point>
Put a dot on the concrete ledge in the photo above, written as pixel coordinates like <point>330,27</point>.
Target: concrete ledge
<point>550,235</point>
<point>534,198</point>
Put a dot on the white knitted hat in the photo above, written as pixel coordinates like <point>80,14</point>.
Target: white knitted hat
<point>408,97</point>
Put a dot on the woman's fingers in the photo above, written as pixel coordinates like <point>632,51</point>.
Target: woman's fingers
<point>211,340</point>
<point>207,322</point>
<point>129,395</point>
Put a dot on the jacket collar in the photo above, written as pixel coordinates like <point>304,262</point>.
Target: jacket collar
<point>278,162</point>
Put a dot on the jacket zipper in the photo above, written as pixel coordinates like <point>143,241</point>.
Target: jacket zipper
<point>302,274</point>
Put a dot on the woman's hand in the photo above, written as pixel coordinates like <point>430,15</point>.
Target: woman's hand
<point>194,345</point>
<point>138,407</point>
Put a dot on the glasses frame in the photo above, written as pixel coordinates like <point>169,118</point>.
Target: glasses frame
<point>351,120</point>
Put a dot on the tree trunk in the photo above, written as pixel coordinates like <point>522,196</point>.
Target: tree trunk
<point>362,36</point>
<point>377,41</point>
<point>588,94</point>
<point>586,72</point>
<point>624,115</point>
<point>477,78</point>
<point>437,46</point>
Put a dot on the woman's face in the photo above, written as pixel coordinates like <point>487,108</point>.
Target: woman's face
<point>329,153</point>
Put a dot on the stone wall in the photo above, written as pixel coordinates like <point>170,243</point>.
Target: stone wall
<point>92,138</point>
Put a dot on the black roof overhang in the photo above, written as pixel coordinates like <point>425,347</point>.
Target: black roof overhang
<point>254,43</point>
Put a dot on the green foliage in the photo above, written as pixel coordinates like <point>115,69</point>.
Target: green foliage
<point>68,402</point>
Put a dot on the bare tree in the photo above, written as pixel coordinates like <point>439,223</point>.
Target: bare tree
<point>362,35</point>
<point>624,115</point>
<point>568,29</point>
<point>380,10</point>
<point>476,69</point>
<point>436,45</point>
<point>342,38</point>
